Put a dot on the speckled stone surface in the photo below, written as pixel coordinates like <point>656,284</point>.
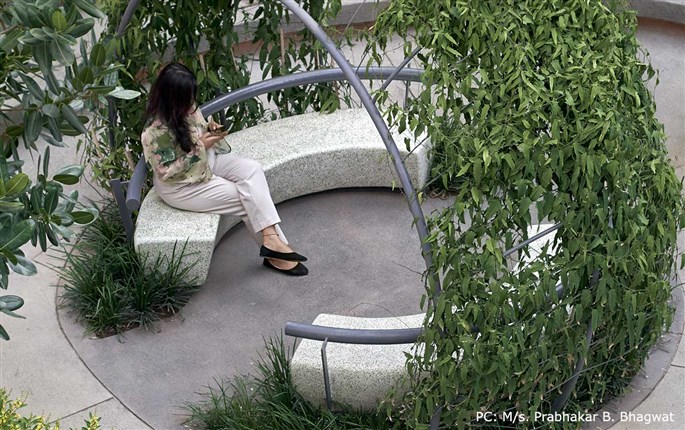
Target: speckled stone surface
<point>301,155</point>
<point>360,375</point>
<point>160,229</point>
<point>308,153</point>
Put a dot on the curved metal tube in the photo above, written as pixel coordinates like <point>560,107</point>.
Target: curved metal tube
<point>356,336</point>
<point>126,18</point>
<point>394,336</point>
<point>135,185</point>
<point>531,239</point>
<point>338,334</point>
<point>303,78</point>
<point>400,68</point>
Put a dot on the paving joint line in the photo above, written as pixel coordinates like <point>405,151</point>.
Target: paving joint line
<point>84,409</point>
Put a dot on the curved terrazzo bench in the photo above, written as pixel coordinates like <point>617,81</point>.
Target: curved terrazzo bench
<point>301,155</point>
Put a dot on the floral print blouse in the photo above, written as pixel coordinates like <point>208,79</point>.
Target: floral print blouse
<point>171,163</point>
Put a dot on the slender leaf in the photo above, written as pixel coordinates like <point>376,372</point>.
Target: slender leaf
<point>73,119</point>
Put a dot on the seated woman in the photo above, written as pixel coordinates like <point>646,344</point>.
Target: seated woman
<point>188,173</point>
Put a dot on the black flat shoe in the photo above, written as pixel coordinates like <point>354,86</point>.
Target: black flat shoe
<point>289,256</point>
<point>299,270</point>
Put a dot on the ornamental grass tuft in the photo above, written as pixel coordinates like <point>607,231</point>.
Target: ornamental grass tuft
<point>270,401</point>
<point>112,289</point>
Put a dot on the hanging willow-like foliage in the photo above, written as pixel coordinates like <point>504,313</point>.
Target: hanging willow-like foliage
<point>537,110</point>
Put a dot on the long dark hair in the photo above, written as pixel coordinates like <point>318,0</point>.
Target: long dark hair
<point>171,97</point>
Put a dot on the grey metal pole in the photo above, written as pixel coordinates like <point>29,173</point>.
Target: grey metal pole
<point>568,387</point>
<point>381,126</point>
<point>400,67</point>
<point>531,239</point>
<point>126,18</point>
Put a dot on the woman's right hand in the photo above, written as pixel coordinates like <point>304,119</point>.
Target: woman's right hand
<point>210,139</point>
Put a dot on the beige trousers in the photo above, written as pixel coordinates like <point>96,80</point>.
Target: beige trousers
<point>238,187</point>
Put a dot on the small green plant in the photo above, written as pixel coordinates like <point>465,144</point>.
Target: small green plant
<point>112,289</point>
<point>270,401</point>
<point>38,107</point>
<point>11,420</point>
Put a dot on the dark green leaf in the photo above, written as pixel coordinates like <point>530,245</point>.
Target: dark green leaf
<point>50,110</point>
<point>61,51</point>
<point>83,217</point>
<point>98,55</point>
<point>8,41</point>
<point>20,234</point>
<point>86,75</point>
<point>34,124</point>
<point>54,129</point>
<point>82,27</point>
<point>11,302</point>
<point>11,207</point>
<point>89,8</point>
<point>43,34</point>
<point>46,161</point>
<point>51,200</point>
<point>72,170</point>
<point>33,87</point>
<point>9,255</point>
<point>66,179</point>
<point>73,119</point>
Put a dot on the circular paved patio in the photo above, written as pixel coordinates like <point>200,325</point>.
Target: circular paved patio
<point>364,260</point>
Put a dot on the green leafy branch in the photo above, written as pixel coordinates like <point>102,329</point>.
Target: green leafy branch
<point>37,106</point>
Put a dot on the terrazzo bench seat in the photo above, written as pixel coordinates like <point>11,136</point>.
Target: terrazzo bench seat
<point>361,375</point>
<point>300,155</point>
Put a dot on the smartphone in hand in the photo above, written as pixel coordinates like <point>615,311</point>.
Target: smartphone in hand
<point>218,131</point>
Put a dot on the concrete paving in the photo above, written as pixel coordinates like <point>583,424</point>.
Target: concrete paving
<point>359,243</point>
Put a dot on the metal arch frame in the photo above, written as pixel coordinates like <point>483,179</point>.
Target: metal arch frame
<point>381,126</point>
<point>367,102</point>
<point>134,189</point>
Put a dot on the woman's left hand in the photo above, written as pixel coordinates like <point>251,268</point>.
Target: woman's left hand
<point>210,139</point>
